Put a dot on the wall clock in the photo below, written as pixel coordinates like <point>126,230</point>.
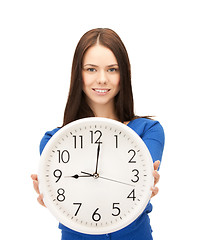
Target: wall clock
<point>96,175</point>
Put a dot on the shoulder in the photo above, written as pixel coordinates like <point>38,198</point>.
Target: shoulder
<point>144,124</point>
<point>47,136</point>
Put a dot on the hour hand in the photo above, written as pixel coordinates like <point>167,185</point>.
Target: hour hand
<point>88,174</point>
<point>76,176</point>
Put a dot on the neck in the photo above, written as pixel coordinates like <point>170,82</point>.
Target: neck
<point>106,111</point>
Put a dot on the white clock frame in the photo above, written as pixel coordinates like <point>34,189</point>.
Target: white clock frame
<point>59,180</point>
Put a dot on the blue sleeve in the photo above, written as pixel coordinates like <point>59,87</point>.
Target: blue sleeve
<point>154,139</point>
<point>47,136</point>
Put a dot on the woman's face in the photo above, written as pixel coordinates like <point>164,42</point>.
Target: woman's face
<point>101,76</point>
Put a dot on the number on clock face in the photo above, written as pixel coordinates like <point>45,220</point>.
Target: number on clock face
<point>96,177</point>
<point>96,136</point>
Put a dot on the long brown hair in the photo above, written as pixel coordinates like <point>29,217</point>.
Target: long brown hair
<point>77,106</point>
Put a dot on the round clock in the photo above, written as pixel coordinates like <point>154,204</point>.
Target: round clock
<point>96,175</point>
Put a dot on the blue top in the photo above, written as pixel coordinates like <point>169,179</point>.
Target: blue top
<point>152,134</point>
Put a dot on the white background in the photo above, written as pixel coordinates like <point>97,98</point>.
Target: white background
<point>164,42</point>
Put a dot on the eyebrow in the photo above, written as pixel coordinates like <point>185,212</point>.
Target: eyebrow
<point>92,65</point>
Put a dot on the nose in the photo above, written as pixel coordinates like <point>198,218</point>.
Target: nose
<point>102,77</point>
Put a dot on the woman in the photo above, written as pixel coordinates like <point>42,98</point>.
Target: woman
<point>101,87</point>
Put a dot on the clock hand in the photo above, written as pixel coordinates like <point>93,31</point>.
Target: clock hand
<point>109,179</point>
<point>98,154</point>
<point>88,174</point>
<point>76,176</point>
<point>95,175</point>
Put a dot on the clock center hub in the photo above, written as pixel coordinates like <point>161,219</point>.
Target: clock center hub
<point>96,175</point>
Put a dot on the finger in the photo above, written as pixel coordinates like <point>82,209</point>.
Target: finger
<point>156,177</point>
<point>36,186</point>
<point>156,165</point>
<point>40,200</point>
<point>34,177</point>
<point>155,191</point>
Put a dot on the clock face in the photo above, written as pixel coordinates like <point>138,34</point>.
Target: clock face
<point>96,175</point>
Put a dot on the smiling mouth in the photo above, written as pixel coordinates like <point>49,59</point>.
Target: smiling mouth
<point>98,90</point>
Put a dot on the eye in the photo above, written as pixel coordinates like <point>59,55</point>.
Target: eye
<point>91,69</point>
<point>113,70</point>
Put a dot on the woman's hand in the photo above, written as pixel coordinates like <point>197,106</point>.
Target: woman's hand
<point>156,178</point>
<point>36,188</point>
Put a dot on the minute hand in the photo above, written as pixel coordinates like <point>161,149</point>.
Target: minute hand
<point>98,154</point>
<point>109,179</point>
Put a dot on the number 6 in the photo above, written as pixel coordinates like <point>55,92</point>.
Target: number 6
<point>96,216</point>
